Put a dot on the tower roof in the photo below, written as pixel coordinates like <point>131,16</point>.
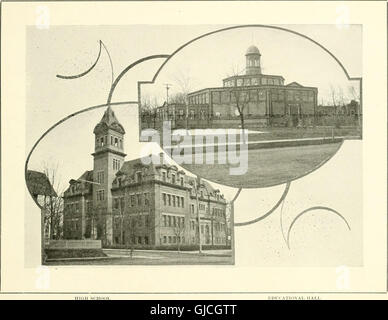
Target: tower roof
<point>109,121</point>
<point>252,50</point>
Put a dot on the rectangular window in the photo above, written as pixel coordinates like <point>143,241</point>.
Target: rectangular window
<point>146,200</point>
<point>164,198</point>
<point>138,196</point>
<point>164,239</point>
<point>100,177</point>
<point>261,95</point>
<point>169,221</point>
<point>178,201</point>
<point>100,195</point>
<point>183,202</point>
<point>173,178</point>
<point>164,176</point>
<point>169,199</point>
<point>164,221</point>
<point>132,200</point>
<point>173,201</point>
<point>116,164</point>
<point>116,203</point>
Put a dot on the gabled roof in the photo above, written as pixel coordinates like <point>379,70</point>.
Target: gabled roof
<point>38,184</point>
<point>109,121</point>
<point>207,185</point>
<point>86,176</point>
<point>294,84</point>
<point>130,166</point>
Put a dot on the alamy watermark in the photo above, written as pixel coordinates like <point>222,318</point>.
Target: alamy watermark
<point>200,146</point>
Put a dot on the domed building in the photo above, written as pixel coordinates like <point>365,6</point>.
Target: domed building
<point>265,100</point>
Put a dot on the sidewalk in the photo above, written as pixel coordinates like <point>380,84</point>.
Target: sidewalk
<point>221,252</point>
<point>262,144</point>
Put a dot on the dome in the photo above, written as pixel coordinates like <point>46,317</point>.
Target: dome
<point>252,50</point>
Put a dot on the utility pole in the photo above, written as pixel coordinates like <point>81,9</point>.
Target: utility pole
<point>168,86</point>
<point>196,185</point>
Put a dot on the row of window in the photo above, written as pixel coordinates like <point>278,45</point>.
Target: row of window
<point>174,179</point>
<point>253,62</point>
<point>116,164</point>
<point>173,200</point>
<point>72,207</point>
<point>114,141</point>
<point>173,221</point>
<point>138,199</point>
<point>200,98</point>
<point>217,212</point>
<point>133,240</point>
<point>132,222</point>
<point>173,239</point>
<point>260,95</point>
<point>217,226</point>
<point>252,82</point>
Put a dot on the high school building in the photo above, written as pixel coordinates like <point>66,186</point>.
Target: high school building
<point>263,98</point>
<point>129,202</point>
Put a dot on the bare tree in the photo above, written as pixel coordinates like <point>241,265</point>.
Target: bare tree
<point>334,99</point>
<point>239,97</point>
<point>148,108</point>
<point>53,205</point>
<point>184,82</point>
<point>179,231</point>
<point>355,94</point>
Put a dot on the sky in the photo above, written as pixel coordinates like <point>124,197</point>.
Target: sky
<point>207,61</point>
<point>71,50</point>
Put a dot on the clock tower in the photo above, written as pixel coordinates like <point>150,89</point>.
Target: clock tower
<point>108,158</point>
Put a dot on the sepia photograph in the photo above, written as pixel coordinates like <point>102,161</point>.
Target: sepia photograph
<point>215,149</point>
<point>267,91</point>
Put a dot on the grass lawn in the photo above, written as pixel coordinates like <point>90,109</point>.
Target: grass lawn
<point>280,133</point>
<point>268,167</point>
<point>284,133</point>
